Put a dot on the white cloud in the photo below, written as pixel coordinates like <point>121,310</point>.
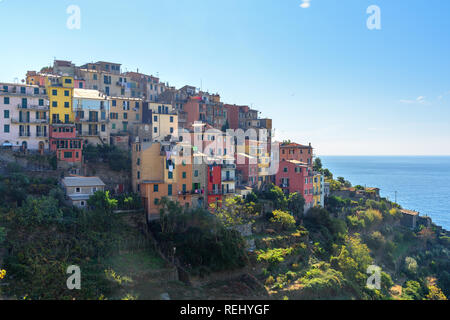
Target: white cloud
<point>418,100</point>
<point>305,4</point>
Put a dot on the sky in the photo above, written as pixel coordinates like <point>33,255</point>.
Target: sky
<point>314,66</point>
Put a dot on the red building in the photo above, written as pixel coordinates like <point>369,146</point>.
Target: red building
<point>214,184</point>
<point>294,176</point>
<point>64,141</point>
<point>298,152</point>
<point>195,110</point>
<point>247,170</point>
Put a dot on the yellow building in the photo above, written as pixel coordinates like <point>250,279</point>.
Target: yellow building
<point>318,195</point>
<point>60,93</point>
<point>124,114</point>
<point>155,174</point>
<point>164,121</point>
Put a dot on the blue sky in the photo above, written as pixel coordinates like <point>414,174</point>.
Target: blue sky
<point>319,72</point>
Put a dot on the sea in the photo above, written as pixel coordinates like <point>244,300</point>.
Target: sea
<point>417,182</point>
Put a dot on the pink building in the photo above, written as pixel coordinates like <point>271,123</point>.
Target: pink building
<point>64,141</point>
<point>294,176</point>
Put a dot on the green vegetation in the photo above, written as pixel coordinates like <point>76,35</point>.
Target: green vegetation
<point>198,240</point>
<point>117,159</point>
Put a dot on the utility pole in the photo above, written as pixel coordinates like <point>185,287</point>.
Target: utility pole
<point>395,196</point>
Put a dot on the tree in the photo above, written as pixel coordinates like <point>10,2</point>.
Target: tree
<point>283,220</point>
<point>328,175</point>
<point>235,211</point>
<point>278,197</point>
<point>317,165</point>
<point>296,204</point>
<point>101,200</point>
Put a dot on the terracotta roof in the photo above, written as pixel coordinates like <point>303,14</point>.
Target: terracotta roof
<point>409,212</point>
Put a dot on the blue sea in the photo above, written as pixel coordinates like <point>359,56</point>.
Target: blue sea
<point>422,183</point>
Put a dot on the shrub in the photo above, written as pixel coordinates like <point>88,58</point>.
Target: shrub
<point>283,220</point>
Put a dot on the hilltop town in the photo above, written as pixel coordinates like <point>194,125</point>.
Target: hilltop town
<point>63,109</point>
<point>164,193</point>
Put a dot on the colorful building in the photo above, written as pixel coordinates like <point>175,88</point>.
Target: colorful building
<point>65,143</point>
<point>319,190</point>
<point>24,117</point>
<point>92,116</point>
<point>164,121</point>
<point>60,93</point>
<point>154,174</point>
<point>214,184</point>
<point>295,177</point>
<point>298,152</point>
<point>125,114</point>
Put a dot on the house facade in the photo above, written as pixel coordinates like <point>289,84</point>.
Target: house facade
<point>78,190</point>
<point>24,117</point>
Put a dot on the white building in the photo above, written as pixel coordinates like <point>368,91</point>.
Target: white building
<point>91,109</point>
<point>24,117</point>
<point>79,189</point>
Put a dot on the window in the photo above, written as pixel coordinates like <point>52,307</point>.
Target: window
<point>184,175</point>
<point>41,102</point>
<point>169,190</point>
<point>22,90</point>
<point>78,190</point>
<point>155,188</point>
<point>6,100</point>
<point>171,130</point>
<point>103,128</point>
<point>5,88</point>
<point>36,90</point>
<point>125,115</point>
<point>67,155</point>
<point>114,126</point>
<point>54,92</point>
<point>155,118</point>
<point>170,175</point>
<point>114,103</point>
<point>6,114</point>
<point>171,119</point>
<point>54,104</point>
<point>6,128</point>
<point>68,81</point>
<point>94,77</point>
<point>184,188</point>
<point>138,174</point>
<point>155,130</point>
<point>66,93</point>
<point>196,173</point>
<point>285,169</point>
<point>66,105</point>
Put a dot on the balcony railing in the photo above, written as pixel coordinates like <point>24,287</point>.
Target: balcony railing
<point>30,121</point>
<point>33,107</point>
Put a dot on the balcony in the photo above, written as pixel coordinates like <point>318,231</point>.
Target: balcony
<point>91,120</point>
<point>30,121</point>
<point>33,107</point>
<point>214,192</point>
<point>231,191</point>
